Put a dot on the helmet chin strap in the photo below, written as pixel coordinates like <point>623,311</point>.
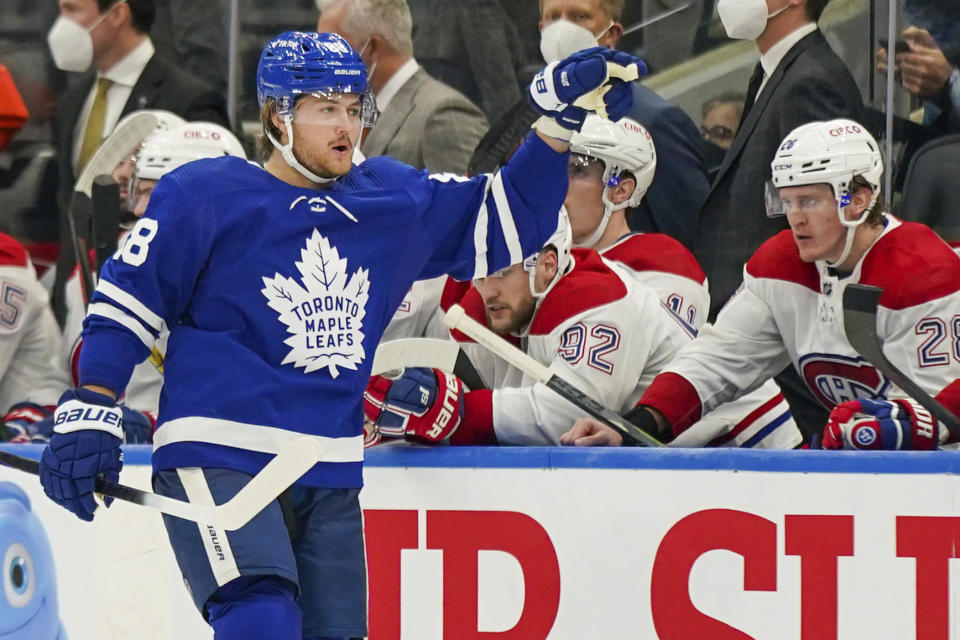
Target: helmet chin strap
<point>286,150</point>
<point>608,208</point>
<point>851,226</point>
<point>847,245</point>
<point>538,297</point>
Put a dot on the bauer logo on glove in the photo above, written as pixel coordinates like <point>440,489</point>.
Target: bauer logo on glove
<point>423,405</point>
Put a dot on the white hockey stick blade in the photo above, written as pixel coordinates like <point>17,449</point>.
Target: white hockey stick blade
<point>288,466</point>
<point>115,148</point>
<point>456,318</point>
<point>446,355</point>
<point>293,460</point>
<point>415,352</point>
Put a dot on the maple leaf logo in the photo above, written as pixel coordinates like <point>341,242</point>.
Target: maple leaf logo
<point>325,315</point>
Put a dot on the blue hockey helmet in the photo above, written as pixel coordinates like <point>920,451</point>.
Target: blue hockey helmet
<point>305,63</point>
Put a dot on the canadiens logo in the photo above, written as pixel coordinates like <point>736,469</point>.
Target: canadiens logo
<point>834,379</point>
<point>325,315</point>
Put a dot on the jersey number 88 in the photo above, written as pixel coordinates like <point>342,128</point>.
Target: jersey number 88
<point>134,251</point>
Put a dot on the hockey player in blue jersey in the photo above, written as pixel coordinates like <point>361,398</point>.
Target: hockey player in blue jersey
<point>276,284</point>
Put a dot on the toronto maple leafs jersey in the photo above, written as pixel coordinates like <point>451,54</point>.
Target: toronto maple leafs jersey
<point>143,390</point>
<point>790,311</point>
<point>276,296</point>
<point>608,336</point>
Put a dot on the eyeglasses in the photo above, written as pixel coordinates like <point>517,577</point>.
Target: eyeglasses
<point>717,132</point>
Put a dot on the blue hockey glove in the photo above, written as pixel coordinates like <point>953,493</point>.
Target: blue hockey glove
<point>137,426</point>
<point>424,405</point>
<point>28,422</point>
<point>594,80</point>
<point>88,429</point>
<point>880,424</point>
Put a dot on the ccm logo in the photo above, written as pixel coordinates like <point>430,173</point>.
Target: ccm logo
<point>450,397</point>
<point>848,129</point>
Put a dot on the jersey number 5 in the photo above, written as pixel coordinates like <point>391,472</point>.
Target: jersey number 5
<point>135,247</point>
<point>599,341</point>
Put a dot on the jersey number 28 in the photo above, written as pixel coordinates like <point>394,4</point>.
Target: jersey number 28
<point>135,247</point>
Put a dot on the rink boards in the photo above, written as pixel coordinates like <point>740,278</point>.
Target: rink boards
<point>525,544</point>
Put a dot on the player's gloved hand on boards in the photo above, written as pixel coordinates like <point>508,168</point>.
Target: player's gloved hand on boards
<point>424,405</point>
<point>88,429</point>
<point>880,424</point>
<point>27,422</point>
<point>597,80</point>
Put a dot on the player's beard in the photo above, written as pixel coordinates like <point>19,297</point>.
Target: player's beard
<point>517,317</point>
<point>321,159</point>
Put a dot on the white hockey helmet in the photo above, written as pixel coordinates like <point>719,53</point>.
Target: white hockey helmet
<point>832,153</point>
<point>624,145</point>
<point>167,150</point>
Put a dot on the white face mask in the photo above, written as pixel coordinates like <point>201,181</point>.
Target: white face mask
<point>373,67</point>
<point>561,38</point>
<point>70,43</point>
<point>745,19</point>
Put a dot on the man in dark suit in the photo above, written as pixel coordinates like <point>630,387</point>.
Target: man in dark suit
<point>799,79</point>
<point>672,205</point>
<point>109,42</point>
<point>124,60</point>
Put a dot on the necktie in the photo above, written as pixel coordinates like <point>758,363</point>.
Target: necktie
<point>93,133</point>
<point>755,81</point>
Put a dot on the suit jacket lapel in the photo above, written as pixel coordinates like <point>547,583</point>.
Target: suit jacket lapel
<point>753,116</point>
<point>390,120</point>
<point>146,91</point>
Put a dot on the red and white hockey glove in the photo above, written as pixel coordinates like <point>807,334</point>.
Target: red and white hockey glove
<point>880,424</point>
<point>424,405</point>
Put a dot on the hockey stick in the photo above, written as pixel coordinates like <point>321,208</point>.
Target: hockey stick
<point>293,460</point>
<point>426,352</point>
<point>457,318</point>
<point>860,325</point>
<point>105,194</point>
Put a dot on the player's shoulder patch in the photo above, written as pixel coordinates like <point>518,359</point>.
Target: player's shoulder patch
<point>655,252</point>
<point>912,265</point>
<point>12,253</point>
<point>591,284</point>
<point>778,259</point>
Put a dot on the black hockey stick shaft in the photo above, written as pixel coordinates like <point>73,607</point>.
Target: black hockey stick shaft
<point>105,193</point>
<point>101,485</point>
<point>77,212</point>
<point>860,325</point>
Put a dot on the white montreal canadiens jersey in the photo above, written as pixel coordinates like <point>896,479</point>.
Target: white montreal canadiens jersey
<point>790,312</point>
<point>418,315</point>
<point>610,337</point>
<point>661,263</point>
<point>276,296</point>
<point>30,367</point>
